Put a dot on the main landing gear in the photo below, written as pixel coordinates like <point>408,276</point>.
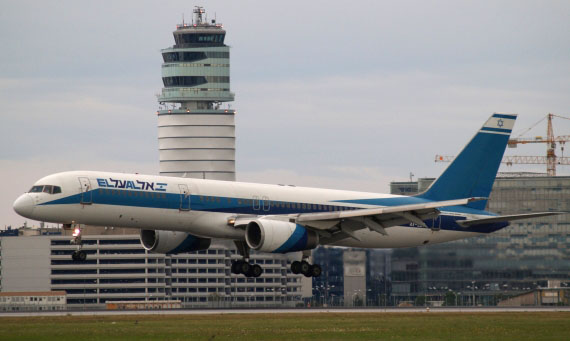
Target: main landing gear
<point>243,266</point>
<point>306,269</point>
<point>248,269</point>
<point>78,255</point>
<point>303,267</point>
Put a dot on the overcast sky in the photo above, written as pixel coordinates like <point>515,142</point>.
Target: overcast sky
<point>328,93</point>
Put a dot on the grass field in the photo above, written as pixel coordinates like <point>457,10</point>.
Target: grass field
<point>323,326</point>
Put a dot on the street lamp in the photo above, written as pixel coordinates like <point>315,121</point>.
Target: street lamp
<point>320,294</point>
<point>473,289</point>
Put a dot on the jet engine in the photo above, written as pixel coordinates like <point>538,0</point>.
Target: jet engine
<point>279,236</point>
<point>172,242</point>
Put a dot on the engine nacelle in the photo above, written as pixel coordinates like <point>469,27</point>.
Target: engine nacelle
<point>170,242</point>
<point>279,236</point>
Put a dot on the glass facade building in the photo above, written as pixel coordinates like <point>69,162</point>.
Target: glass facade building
<point>483,270</point>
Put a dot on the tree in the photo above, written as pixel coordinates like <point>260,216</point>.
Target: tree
<point>420,300</point>
<point>450,299</point>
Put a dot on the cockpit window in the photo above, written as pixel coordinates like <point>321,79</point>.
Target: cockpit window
<point>46,189</point>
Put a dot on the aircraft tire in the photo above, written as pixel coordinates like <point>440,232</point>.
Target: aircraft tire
<point>306,269</point>
<point>81,256</point>
<point>74,256</point>
<point>316,270</point>
<point>256,270</point>
<point>235,267</point>
<point>245,268</point>
<point>296,267</point>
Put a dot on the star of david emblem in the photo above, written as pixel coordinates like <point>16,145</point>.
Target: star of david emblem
<point>500,123</point>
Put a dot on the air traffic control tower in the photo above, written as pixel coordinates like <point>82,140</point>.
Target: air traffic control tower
<point>196,135</point>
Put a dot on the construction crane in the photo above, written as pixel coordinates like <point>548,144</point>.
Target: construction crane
<point>551,160</point>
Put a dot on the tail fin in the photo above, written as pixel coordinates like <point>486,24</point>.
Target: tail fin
<point>473,171</point>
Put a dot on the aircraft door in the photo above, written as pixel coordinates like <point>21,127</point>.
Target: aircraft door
<point>184,197</point>
<point>266,203</point>
<point>86,191</point>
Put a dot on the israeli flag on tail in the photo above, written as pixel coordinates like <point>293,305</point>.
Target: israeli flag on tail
<point>473,171</point>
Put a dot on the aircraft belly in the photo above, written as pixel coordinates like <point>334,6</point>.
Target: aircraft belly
<point>402,236</point>
<point>208,225</point>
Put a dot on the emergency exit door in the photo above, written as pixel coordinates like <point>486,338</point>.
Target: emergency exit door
<point>184,197</point>
<point>86,191</point>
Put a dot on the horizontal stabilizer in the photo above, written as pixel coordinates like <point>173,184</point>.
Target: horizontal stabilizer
<point>503,218</point>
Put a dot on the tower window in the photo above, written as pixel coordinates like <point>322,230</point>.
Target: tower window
<point>199,38</point>
<point>193,80</point>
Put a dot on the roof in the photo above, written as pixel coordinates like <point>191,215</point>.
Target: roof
<point>33,293</point>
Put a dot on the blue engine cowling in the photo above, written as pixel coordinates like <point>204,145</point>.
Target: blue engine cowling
<point>279,236</point>
<point>172,242</point>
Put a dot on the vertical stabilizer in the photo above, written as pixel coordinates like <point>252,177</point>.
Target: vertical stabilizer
<point>473,171</point>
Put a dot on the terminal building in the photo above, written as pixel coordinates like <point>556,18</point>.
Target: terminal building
<point>527,259</point>
<point>523,257</point>
<point>118,268</point>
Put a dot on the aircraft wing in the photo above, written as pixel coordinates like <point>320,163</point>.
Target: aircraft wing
<point>379,219</point>
<point>498,219</point>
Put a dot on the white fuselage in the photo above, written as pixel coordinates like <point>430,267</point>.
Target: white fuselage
<point>204,207</point>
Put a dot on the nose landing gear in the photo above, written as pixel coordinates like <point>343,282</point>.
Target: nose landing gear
<point>78,255</point>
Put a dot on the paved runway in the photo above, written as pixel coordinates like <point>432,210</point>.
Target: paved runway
<point>283,311</point>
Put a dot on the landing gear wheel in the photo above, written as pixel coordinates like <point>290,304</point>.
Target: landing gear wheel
<point>306,269</point>
<point>256,270</point>
<point>235,267</point>
<point>296,267</point>
<point>245,268</point>
<point>316,270</point>
<point>81,256</point>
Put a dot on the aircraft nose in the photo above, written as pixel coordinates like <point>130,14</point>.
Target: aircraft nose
<point>24,205</point>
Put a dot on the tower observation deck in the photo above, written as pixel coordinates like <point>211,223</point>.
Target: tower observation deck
<point>196,136</point>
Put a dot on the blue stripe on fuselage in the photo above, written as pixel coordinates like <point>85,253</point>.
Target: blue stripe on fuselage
<point>146,199</point>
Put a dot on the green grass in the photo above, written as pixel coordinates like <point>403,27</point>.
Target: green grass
<point>318,326</point>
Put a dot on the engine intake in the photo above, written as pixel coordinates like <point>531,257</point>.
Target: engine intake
<point>171,242</point>
<point>279,236</point>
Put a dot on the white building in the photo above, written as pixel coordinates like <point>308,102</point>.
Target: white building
<point>33,301</point>
<point>118,268</point>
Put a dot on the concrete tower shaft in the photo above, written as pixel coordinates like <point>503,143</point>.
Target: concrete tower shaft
<point>196,135</point>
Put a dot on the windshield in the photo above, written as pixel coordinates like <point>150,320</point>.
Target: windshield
<point>37,189</point>
<point>46,189</point>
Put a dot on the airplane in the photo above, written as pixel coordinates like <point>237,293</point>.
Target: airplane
<point>177,215</point>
